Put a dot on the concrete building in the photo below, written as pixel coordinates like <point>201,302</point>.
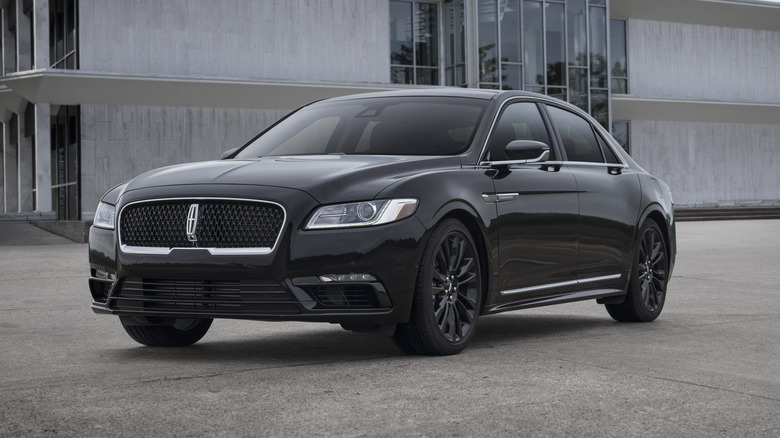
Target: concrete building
<point>94,92</point>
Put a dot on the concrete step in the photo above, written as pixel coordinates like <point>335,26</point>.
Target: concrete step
<point>726,213</point>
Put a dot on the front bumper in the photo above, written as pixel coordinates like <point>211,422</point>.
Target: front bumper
<point>286,284</point>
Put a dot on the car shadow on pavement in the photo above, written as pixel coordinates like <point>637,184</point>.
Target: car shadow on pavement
<point>327,344</point>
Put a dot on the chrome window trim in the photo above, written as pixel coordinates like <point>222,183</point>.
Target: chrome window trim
<point>561,284</point>
<point>127,249</point>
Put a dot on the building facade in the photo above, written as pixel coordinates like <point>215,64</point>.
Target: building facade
<point>94,92</point>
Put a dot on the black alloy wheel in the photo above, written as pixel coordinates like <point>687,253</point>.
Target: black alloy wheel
<point>182,333</point>
<point>448,297</point>
<point>647,290</point>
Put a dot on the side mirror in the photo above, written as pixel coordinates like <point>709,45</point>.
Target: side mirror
<point>527,150</point>
<point>229,152</point>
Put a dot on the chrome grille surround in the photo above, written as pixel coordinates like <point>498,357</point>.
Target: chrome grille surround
<point>224,224</point>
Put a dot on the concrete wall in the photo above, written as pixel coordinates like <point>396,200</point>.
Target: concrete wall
<point>300,40</point>
<point>120,142</point>
<point>689,61</point>
<point>707,163</point>
<point>711,163</point>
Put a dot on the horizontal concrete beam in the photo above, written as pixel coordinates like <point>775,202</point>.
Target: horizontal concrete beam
<point>637,108</point>
<point>749,14</point>
<point>75,87</point>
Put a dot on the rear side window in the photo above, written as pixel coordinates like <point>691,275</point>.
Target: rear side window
<point>518,121</point>
<point>579,140</point>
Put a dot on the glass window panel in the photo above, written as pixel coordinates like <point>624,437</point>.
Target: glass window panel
<point>598,2</point>
<point>460,75</point>
<point>509,13</point>
<point>533,49</point>
<point>539,90</point>
<point>620,132</point>
<point>558,93</point>
<point>598,47</point>
<point>70,27</point>
<point>401,49</point>
<point>488,40</point>
<point>619,86</point>
<point>599,107</point>
<point>402,75</point>
<point>488,86</point>
<point>519,121</point>
<point>556,43</point>
<point>455,40</point>
<point>577,32</point>
<point>72,202</point>
<point>578,87</point>
<point>427,76</point>
<point>617,34</point>
<point>511,75</point>
<point>579,140</point>
<point>426,36</point>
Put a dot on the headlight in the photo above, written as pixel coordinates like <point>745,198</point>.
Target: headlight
<point>104,216</point>
<point>359,214</point>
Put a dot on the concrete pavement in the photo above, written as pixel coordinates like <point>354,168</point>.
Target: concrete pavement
<point>709,366</point>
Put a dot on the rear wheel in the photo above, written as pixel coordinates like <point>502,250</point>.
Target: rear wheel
<point>447,297</point>
<point>183,332</point>
<point>647,289</point>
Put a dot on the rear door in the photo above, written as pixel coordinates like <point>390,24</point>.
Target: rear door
<point>609,198</point>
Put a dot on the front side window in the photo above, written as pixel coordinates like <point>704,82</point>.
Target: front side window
<point>579,140</point>
<point>379,126</point>
<point>414,43</point>
<point>518,121</point>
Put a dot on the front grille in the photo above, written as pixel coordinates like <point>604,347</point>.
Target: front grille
<point>195,296</point>
<point>221,223</point>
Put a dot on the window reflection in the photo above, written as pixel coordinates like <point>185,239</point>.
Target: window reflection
<point>414,43</point>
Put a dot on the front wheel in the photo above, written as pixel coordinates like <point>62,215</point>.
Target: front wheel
<point>447,297</point>
<point>183,332</point>
<point>647,288</point>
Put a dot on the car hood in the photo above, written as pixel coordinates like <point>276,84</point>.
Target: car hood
<point>327,178</point>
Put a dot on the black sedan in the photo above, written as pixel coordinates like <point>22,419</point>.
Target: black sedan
<point>419,211</point>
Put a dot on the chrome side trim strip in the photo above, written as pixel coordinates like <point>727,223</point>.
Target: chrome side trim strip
<point>213,251</point>
<point>561,284</point>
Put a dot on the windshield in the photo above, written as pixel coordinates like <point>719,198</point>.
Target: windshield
<point>379,126</point>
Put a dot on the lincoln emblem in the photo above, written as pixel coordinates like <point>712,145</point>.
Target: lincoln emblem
<point>192,223</point>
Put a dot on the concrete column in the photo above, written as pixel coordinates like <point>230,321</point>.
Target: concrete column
<point>10,165</point>
<point>25,162</point>
<point>41,35</point>
<point>43,157</point>
<point>2,167</point>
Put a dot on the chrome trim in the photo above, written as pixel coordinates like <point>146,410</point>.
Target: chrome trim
<point>592,164</point>
<point>495,198</point>
<point>561,284</point>
<point>213,251</point>
<point>192,222</point>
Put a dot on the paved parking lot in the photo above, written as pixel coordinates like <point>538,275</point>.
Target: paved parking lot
<point>709,366</point>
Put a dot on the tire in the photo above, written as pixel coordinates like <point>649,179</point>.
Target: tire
<point>448,294</point>
<point>649,276</point>
<point>182,333</point>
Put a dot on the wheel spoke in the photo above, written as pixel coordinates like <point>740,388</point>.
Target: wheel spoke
<point>459,244</point>
<point>466,314</point>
